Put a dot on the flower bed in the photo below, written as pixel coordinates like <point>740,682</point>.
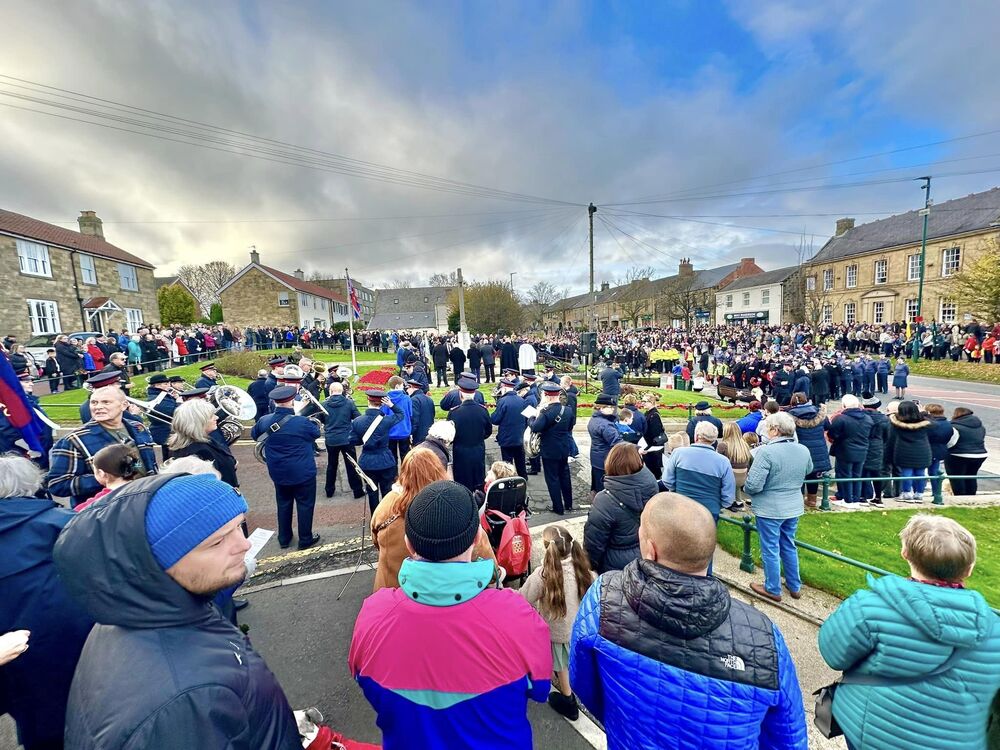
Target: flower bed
<point>373,379</point>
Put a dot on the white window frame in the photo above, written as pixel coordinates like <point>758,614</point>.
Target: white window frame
<point>913,267</point>
<point>33,258</point>
<point>44,316</point>
<point>878,311</point>
<point>884,265</point>
<point>729,301</point>
<point>765,296</point>
<point>827,313</point>
<point>88,270</point>
<point>951,267</point>
<point>850,313</point>
<point>127,273</point>
<point>746,299</point>
<point>910,310</point>
<point>134,317</point>
<point>828,280</point>
<point>852,276</point>
<point>282,299</point>
<point>810,283</point>
<point>948,311</point>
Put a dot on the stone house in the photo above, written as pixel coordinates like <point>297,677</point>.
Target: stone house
<point>767,298</point>
<point>56,280</point>
<point>870,273</point>
<point>687,296</point>
<point>259,295</point>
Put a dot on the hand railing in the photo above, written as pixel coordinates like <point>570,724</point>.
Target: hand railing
<point>936,481</point>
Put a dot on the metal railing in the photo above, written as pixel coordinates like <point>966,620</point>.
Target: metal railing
<point>936,481</point>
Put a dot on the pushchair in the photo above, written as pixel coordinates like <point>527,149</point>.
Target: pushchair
<point>505,499</point>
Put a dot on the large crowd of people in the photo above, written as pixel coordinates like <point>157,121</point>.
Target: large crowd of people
<point>126,601</point>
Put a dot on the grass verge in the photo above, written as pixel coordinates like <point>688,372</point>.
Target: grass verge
<point>873,538</point>
<point>977,373</point>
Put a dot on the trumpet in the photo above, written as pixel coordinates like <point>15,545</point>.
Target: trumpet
<point>149,408</point>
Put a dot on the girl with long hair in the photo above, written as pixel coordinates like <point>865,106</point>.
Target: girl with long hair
<point>734,447</point>
<point>114,466</point>
<point>420,467</point>
<point>555,590</point>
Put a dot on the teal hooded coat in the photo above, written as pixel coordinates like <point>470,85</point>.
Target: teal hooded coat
<point>900,628</point>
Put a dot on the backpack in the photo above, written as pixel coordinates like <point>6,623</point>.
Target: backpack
<point>514,551</point>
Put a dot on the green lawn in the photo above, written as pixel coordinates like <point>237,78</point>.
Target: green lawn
<point>873,538</point>
<point>979,373</point>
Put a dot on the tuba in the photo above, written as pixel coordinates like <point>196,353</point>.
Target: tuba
<point>233,407</point>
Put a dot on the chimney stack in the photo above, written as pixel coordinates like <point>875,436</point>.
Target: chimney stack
<point>685,268</point>
<point>843,225</point>
<point>300,274</point>
<point>605,285</point>
<point>254,255</point>
<point>90,223</point>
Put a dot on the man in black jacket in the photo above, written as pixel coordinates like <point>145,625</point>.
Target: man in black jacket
<point>439,355</point>
<point>162,668</point>
<point>555,424</point>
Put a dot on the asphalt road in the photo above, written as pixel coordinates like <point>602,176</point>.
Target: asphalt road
<point>981,398</point>
<point>304,633</point>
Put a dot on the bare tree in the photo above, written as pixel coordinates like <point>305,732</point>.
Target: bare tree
<point>205,280</point>
<point>443,279</point>
<point>537,299</point>
<point>677,300</point>
<point>634,298</point>
<point>398,284</point>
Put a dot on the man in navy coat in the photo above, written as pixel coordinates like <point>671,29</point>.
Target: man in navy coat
<point>472,427</point>
<point>555,424</point>
<point>371,432</point>
<point>510,425</point>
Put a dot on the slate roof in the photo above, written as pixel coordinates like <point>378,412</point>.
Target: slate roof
<point>382,321</point>
<point>410,300</point>
<point>761,279</point>
<point>306,287</point>
<point>27,228</point>
<point>971,213</point>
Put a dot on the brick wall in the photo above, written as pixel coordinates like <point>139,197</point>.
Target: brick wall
<point>19,287</point>
<point>253,300</point>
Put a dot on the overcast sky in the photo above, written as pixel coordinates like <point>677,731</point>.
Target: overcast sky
<point>562,103</point>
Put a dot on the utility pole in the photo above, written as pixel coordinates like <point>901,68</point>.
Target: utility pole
<point>463,330</point>
<point>925,212</point>
<point>591,210</point>
<point>512,275</point>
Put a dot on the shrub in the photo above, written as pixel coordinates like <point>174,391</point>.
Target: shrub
<point>243,364</point>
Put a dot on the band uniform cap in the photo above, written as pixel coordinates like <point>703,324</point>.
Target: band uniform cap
<point>415,383</point>
<point>550,387</point>
<point>702,406</point>
<point>603,399</point>
<point>467,385</point>
<point>158,379</point>
<point>529,377</point>
<point>23,373</point>
<point>508,382</point>
<point>176,379</point>
<point>102,379</point>
<point>208,366</point>
<point>375,394</point>
<point>283,393</point>
<point>195,393</point>
<point>511,371</point>
<point>276,361</point>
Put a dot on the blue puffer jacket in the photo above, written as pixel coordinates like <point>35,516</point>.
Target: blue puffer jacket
<point>669,661</point>
<point>902,628</point>
<point>811,425</point>
<point>603,435</point>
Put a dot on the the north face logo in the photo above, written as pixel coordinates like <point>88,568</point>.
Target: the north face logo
<point>734,662</point>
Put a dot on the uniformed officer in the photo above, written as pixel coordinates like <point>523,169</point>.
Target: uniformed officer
<point>555,425</point>
<point>510,425</point>
<point>71,473</point>
<point>102,380</point>
<point>413,369</point>
<point>782,382</point>
<point>161,414</point>
<point>453,397</point>
<point>277,365</point>
<point>259,393</point>
<point>291,464</point>
<point>209,376</point>
<point>423,410</point>
<point>371,432</point>
<point>472,427</point>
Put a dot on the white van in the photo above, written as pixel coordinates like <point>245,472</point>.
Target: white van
<point>36,346</point>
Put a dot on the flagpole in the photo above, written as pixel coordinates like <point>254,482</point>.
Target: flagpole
<point>350,321</point>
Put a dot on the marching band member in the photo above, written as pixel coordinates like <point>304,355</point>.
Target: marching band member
<point>472,427</point>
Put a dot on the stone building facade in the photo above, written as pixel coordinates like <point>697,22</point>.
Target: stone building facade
<point>870,273</point>
<point>55,280</point>
<point>366,295</point>
<point>259,295</point>
<point>766,299</point>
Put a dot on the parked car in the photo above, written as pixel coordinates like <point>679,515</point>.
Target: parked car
<point>36,346</point>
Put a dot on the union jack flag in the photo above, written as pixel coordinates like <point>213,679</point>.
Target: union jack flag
<point>353,294</point>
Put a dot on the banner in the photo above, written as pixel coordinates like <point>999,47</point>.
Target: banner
<point>14,405</point>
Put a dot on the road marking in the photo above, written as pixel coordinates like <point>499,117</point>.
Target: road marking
<point>587,729</point>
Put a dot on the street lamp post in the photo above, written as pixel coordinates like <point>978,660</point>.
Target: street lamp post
<point>512,275</point>
<point>925,212</point>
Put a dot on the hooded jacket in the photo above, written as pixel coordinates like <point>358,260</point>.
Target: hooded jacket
<point>404,427</point>
<point>340,412</point>
<point>611,535</point>
<point>664,659</point>
<point>939,435</point>
<point>909,444</point>
<point>875,458</point>
<point>35,599</point>
<point>162,669</point>
<point>810,428</point>
<point>603,436</point>
<point>899,628</point>
<point>850,433</point>
<point>969,437</point>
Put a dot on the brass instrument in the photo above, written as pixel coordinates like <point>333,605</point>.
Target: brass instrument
<point>234,406</point>
<point>149,408</point>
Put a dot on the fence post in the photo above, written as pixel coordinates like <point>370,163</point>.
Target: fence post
<point>938,489</point>
<point>690,408</point>
<point>825,503</point>
<point>746,559</point>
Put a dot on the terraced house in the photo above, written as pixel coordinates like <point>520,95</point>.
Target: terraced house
<point>870,273</point>
<point>56,280</point>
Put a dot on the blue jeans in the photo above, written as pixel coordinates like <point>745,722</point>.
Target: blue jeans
<point>777,543</point>
<point>848,491</point>
<point>914,485</point>
<point>933,471</point>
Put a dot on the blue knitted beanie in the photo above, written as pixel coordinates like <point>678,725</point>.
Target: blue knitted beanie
<point>185,512</point>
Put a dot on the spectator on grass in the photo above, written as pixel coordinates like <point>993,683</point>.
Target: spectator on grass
<point>910,449</point>
<point>900,628</point>
<point>774,484</point>
<point>966,450</point>
<point>611,534</point>
<point>665,658</point>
